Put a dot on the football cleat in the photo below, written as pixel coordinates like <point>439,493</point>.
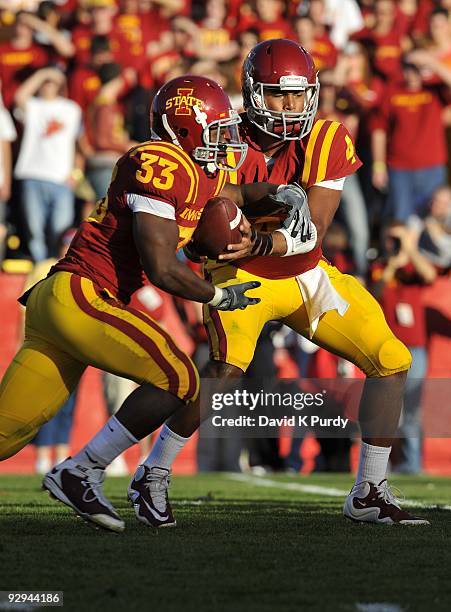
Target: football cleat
<point>148,493</point>
<point>80,488</point>
<point>370,503</point>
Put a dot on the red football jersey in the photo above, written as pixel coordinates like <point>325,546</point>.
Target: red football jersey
<point>326,153</point>
<point>103,249</point>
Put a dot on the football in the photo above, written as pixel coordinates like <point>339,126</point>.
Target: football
<point>218,227</point>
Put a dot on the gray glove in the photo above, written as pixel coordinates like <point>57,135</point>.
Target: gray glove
<point>233,297</point>
<point>298,228</point>
<point>298,219</point>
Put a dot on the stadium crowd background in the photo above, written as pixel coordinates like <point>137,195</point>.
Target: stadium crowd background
<point>385,72</point>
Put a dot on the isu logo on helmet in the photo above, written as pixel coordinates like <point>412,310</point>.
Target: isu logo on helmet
<point>195,114</point>
<point>183,102</point>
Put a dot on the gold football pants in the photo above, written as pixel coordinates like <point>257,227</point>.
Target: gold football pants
<point>70,324</point>
<point>361,336</point>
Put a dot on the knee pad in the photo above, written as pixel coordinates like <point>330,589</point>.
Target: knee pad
<point>393,357</point>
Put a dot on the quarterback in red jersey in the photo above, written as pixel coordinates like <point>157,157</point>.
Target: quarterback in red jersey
<point>301,289</point>
<point>78,315</point>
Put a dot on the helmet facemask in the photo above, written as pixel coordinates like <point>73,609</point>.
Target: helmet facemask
<point>222,142</point>
<point>284,125</point>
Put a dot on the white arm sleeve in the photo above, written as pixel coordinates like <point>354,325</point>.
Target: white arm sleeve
<point>140,203</point>
<point>336,184</point>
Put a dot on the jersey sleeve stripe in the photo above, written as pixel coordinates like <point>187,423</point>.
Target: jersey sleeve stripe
<point>310,149</point>
<point>221,181</point>
<point>233,178</point>
<point>140,203</point>
<point>325,151</point>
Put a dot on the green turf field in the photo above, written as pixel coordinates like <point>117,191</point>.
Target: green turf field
<point>242,543</point>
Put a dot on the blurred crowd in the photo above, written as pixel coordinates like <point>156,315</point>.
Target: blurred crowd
<point>76,80</point>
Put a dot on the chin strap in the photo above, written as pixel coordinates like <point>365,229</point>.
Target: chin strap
<point>169,130</point>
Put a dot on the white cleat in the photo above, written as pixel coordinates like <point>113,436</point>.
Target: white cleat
<point>370,503</point>
<point>148,492</point>
<point>80,488</point>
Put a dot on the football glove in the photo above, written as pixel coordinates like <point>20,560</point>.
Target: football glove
<point>233,297</point>
<point>298,228</point>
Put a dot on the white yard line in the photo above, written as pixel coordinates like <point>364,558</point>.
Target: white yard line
<point>260,481</point>
<point>378,607</point>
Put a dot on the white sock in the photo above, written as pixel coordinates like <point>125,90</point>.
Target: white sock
<point>112,440</point>
<point>372,463</point>
<point>165,449</point>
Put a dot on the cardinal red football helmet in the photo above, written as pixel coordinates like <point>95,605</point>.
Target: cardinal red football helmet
<point>195,114</point>
<point>284,65</point>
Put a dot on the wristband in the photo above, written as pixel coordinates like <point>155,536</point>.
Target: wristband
<point>295,246</point>
<point>379,165</point>
<point>217,298</point>
<point>262,243</point>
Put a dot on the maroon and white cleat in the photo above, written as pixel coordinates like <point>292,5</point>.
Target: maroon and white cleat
<point>80,488</point>
<point>148,492</point>
<point>370,503</point>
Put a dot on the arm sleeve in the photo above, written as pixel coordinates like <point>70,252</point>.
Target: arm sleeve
<point>141,203</point>
<point>335,184</point>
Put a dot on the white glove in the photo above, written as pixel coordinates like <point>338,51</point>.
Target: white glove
<point>298,228</point>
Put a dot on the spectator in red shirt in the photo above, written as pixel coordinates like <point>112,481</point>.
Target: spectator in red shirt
<point>84,82</point>
<point>270,22</point>
<point>321,48</point>
<point>420,22</point>
<point>384,40</point>
<point>136,29</point>
<point>101,21</point>
<point>398,282</point>
<point>408,137</point>
<point>19,57</point>
<point>214,35</point>
<point>105,128</point>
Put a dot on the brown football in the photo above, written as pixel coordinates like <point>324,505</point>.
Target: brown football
<point>217,227</point>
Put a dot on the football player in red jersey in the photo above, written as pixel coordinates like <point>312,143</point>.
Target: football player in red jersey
<point>78,315</point>
<point>286,143</point>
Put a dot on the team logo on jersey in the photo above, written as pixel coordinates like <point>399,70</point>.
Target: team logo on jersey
<point>183,101</point>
